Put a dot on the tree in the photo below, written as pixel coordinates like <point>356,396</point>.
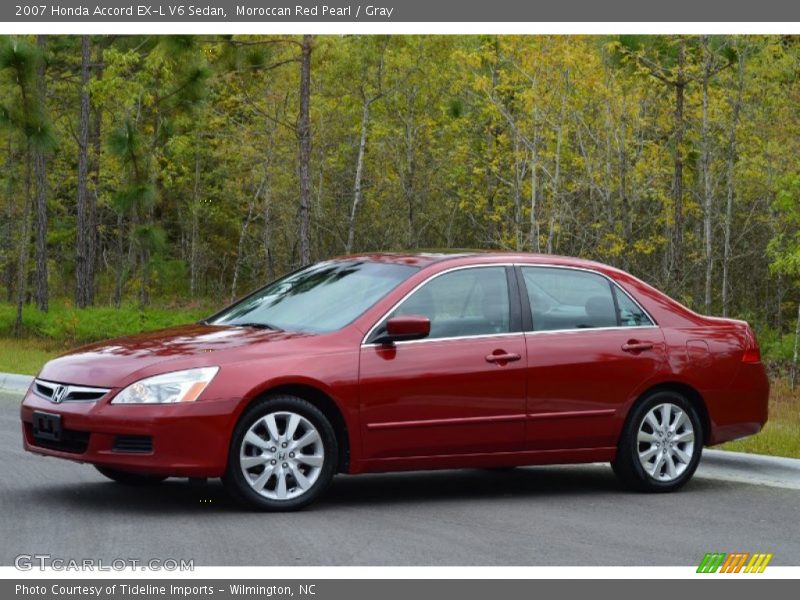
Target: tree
<point>24,61</point>
<point>369,91</point>
<point>169,81</point>
<point>730,174</point>
<point>304,149</point>
<point>186,166</point>
<point>85,235</point>
<point>40,135</point>
<point>784,249</point>
<point>673,62</point>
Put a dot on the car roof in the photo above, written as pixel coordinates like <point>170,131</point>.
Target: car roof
<point>467,257</point>
<point>417,259</point>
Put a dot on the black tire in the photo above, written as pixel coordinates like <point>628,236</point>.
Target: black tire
<point>627,465</point>
<point>129,478</point>
<point>234,478</point>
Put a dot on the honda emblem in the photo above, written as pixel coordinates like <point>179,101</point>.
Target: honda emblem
<point>59,393</point>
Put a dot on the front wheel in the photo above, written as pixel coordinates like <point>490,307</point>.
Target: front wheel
<point>661,444</point>
<point>283,455</point>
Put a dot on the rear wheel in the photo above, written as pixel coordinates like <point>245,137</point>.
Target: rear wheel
<point>129,478</point>
<point>282,456</point>
<point>661,444</point>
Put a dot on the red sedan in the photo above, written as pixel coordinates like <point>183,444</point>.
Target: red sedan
<point>388,362</point>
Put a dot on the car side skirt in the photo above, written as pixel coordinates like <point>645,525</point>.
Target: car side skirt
<point>487,460</point>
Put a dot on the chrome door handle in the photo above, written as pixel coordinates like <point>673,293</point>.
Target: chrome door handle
<point>634,346</point>
<point>502,357</point>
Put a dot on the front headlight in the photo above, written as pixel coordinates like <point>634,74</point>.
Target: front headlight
<point>178,386</point>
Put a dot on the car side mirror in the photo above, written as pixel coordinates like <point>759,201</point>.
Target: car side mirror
<point>406,327</point>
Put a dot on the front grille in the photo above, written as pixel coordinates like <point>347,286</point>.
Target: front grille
<point>74,442</point>
<point>142,444</point>
<point>58,392</point>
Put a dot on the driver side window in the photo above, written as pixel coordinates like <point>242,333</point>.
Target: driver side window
<point>465,302</point>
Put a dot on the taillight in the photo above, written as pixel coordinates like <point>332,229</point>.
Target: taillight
<point>752,353</point>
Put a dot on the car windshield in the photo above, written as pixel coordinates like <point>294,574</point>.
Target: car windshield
<point>321,298</point>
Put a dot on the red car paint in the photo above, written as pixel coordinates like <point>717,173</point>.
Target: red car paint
<point>511,399</point>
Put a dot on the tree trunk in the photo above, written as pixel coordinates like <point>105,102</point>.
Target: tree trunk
<point>120,270</point>
<point>41,230</point>
<point>409,189</point>
<point>40,168</point>
<point>362,147</point>
<point>84,233</point>
<point>535,240</point>
<point>609,170</point>
<point>195,233</point>
<point>24,241</point>
<point>708,201</point>
<point>144,288</point>
<point>726,258</point>
<point>676,259</point>
<point>269,261</point>
<point>8,224</point>
<point>97,152</point>
<point>555,209</point>
<point>627,224</point>
<point>240,247</point>
<point>492,143</point>
<point>304,141</point>
<point>520,167</point>
<point>266,209</point>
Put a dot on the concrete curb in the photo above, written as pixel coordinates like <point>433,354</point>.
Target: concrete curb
<point>757,469</point>
<point>14,383</point>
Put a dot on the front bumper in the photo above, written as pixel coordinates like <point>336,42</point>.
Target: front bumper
<point>188,440</point>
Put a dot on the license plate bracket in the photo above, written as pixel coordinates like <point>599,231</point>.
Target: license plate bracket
<point>47,426</point>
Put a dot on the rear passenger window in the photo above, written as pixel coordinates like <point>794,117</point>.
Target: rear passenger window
<point>630,314</point>
<point>572,299</point>
<point>462,303</point>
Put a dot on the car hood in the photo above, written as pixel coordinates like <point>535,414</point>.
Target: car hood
<point>119,361</point>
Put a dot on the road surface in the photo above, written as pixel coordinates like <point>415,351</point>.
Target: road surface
<point>574,515</point>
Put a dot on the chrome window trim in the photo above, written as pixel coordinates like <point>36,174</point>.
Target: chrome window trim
<point>68,389</point>
<point>590,329</point>
<point>385,315</point>
<point>451,338</point>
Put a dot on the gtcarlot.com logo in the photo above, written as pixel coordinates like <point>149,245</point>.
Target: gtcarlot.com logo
<point>41,562</point>
<point>736,562</point>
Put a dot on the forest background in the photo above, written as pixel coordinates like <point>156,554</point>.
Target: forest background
<point>148,180</point>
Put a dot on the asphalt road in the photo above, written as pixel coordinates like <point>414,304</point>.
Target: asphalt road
<point>575,515</point>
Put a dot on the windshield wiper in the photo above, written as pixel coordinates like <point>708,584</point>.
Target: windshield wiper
<point>256,326</point>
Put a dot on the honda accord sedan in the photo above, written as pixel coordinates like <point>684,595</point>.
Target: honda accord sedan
<point>389,362</point>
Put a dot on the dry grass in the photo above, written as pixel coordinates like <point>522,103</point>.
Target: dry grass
<point>26,356</point>
<point>781,435</point>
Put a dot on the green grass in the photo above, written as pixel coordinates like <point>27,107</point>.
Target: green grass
<point>65,324</point>
<point>46,335</point>
<point>781,435</point>
<point>25,356</point>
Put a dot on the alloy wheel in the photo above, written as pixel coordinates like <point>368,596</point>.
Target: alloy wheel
<point>281,455</point>
<point>665,442</point>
